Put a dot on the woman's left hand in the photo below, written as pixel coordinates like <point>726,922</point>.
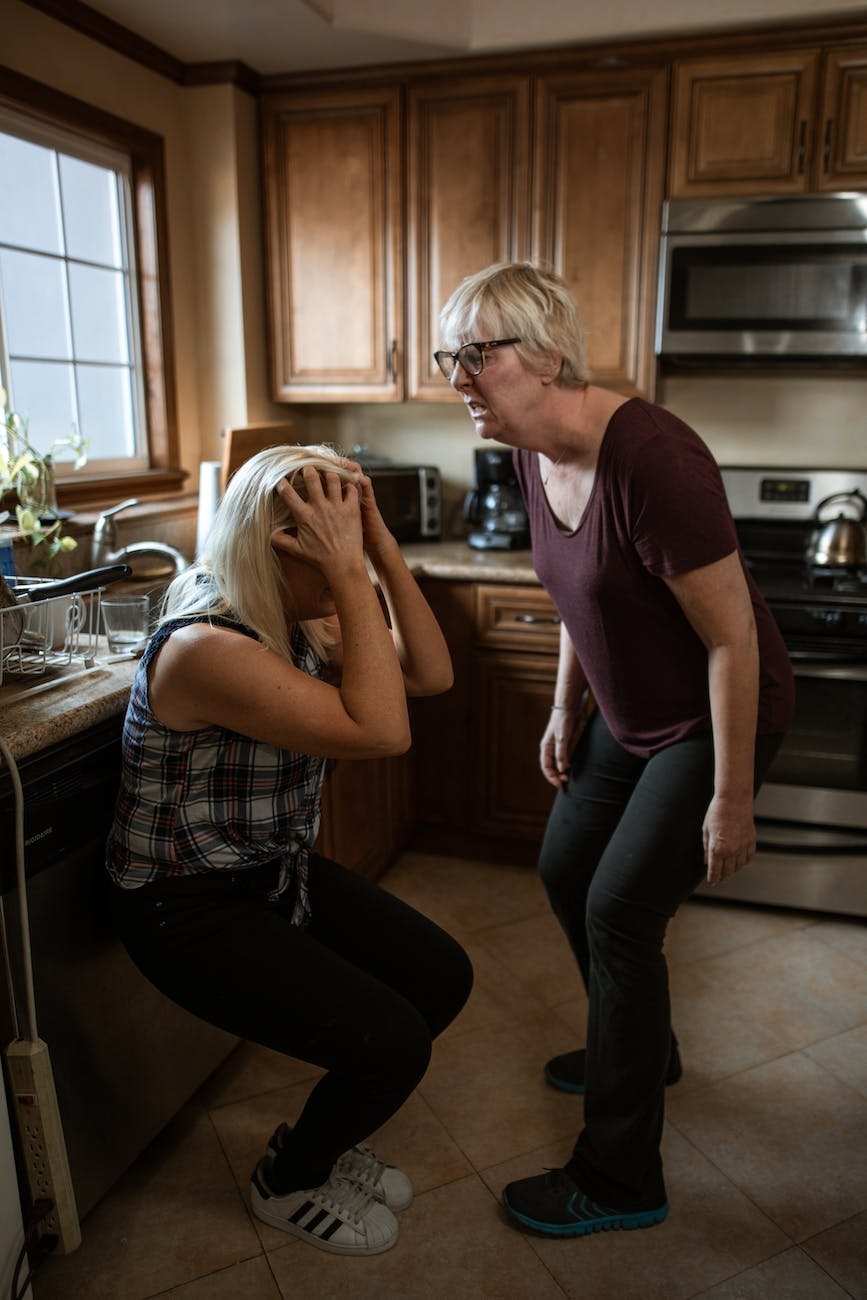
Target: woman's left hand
<point>376,534</point>
<point>729,834</point>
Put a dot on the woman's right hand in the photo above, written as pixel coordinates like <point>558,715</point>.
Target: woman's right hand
<point>328,527</point>
<point>555,750</point>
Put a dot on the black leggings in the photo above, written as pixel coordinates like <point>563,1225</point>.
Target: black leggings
<point>361,992</point>
<point>622,851</point>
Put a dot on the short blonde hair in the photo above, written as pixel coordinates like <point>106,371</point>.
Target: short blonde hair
<point>238,575</point>
<point>525,301</point>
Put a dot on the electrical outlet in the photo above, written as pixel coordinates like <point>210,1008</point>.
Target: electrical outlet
<point>41,1134</point>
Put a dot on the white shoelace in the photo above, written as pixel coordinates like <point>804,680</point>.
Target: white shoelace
<point>343,1197</point>
<point>362,1166</point>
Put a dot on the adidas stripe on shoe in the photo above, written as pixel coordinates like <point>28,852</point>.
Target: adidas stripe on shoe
<point>361,1166</point>
<point>339,1216</point>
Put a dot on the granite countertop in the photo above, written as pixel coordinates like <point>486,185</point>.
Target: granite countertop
<point>37,712</point>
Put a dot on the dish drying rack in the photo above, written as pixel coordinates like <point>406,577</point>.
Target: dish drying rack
<point>47,634</point>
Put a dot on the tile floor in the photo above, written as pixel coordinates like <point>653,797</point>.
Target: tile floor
<point>765,1142</point>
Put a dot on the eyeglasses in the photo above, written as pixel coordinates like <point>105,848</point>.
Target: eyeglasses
<point>471,356</point>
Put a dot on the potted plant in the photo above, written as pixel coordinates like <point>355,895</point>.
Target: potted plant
<point>30,474</point>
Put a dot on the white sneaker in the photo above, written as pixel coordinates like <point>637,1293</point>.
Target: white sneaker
<point>340,1216</point>
<point>360,1165</point>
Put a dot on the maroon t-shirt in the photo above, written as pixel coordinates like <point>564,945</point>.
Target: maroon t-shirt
<point>657,509</point>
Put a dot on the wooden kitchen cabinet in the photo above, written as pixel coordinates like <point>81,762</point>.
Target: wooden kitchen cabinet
<point>478,788</point>
<point>333,184</point>
<point>599,157</point>
<point>791,122</point>
<point>515,668</point>
<point>842,162</point>
<point>355,291</point>
<point>468,197</point>
<point>366,813</point>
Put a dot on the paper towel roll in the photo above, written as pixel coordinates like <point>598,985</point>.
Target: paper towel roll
<point>209,499</point>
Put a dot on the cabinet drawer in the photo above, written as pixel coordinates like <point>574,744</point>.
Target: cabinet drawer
<point>516,618</point>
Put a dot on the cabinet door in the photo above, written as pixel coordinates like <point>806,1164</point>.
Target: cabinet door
<point>599,156</point>
<point>842,161</point>
<point>332,180</point>
<point>468,198</point>
<point>442,724</point>
<point>365,814</point>
<point>513,701</point>
<point>743,125</point>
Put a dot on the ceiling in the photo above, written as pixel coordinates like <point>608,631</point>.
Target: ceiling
<point>281,36</point>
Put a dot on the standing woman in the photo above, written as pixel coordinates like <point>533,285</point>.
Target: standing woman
<point>220,898</point>
<point>664,628</point>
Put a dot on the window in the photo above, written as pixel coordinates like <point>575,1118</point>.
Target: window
<point>68,298</point>
<point>83,296</point>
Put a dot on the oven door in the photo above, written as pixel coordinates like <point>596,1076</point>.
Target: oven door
<point>811,812</point>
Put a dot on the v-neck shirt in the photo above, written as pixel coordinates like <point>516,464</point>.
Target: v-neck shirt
<point>657,508</point>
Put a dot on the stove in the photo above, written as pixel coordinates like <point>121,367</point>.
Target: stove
<point>811,812</point>
<point>821,611</point>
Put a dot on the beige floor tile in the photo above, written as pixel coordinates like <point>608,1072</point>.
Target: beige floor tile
<point>175,1216</point>
<point>790,1135</point>
<point>842,1252</point>
<point>252,1280</point>
<point>497,996</point>
<point>453,1245</point>
<point>252,1069</point>
<point>488,1090</point>
<point>711,1233</point>
<point>846,934</point>
<point>536,952</point>
<point>845,1055</point>
<point>706,927</point>
<point>791,1274</point>
<point>462,895</point>
<point>762,1001</point>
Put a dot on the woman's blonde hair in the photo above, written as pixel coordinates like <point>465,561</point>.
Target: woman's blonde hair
<point>524,301</point>
<point>238,575</point>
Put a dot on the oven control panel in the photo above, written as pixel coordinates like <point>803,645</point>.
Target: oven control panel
<point>786,493</point>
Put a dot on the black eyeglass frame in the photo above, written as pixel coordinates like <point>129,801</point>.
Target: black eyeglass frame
<point>454,357</point>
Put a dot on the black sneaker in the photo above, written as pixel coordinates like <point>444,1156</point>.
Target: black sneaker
<point>553,1203</point>
<point>566,1072</point>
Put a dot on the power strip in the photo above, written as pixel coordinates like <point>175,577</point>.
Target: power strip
<point>41,1133</point>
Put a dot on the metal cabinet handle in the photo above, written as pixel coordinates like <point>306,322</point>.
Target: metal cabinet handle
<point>537,618</point>
<point>391,359</point>
<point>826,147</point>
<point>802,147</point>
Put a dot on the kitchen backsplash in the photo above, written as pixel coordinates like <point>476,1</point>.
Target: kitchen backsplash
<point>746,419</point>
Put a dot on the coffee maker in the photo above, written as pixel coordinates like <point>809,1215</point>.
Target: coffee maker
<point>495,506</point>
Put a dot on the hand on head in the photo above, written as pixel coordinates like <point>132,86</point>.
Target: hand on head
<point>327,516</point>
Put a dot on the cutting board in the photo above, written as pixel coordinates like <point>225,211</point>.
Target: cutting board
<point>239,444</point>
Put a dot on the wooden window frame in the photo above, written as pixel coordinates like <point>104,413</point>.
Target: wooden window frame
<point>146,152</point>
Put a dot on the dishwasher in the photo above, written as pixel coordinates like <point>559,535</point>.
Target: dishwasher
<point>125,1059</point>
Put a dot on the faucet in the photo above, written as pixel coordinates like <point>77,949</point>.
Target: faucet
<point>103,549</point>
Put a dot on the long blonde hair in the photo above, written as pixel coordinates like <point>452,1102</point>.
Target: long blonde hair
<point>238,575</point>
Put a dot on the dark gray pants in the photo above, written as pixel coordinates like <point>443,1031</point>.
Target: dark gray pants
<point>622,851</point>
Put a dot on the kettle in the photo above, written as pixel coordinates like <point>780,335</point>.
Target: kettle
<point>840,542</point>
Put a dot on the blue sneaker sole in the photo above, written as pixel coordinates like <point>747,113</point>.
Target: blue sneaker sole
<point>562,1084</point>
<point>609,1223</point>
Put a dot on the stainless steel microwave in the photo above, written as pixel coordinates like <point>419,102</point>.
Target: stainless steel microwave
<point>409,499</point>
<point>764,279</point>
